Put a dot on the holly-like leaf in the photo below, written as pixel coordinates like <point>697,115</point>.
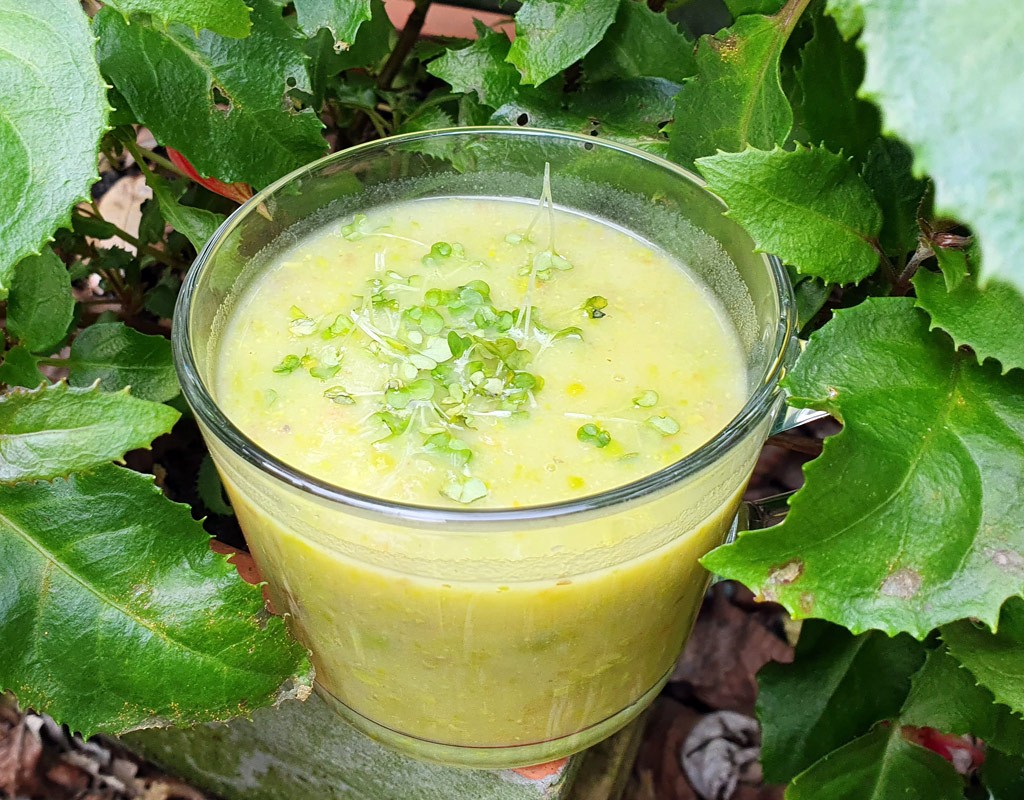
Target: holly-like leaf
<point>54,105</point>
<point>40,306</point>
<point>836,689</point>
<point>553,34</point>
<point>994,659</point>
<point>914,43</point>
<point>55,430</point>
<point>625,111</point>
<point>909,520</point>
<point>118,356</point>
<point>880,765</point>
<point>231,123</point>
<point>197,224</point>
<point>117,615</point>
<point>342,18</point>
<point>641,44</point>
<point>830,73</point>
<point>736,98</point>
<point>888,172</point>
<point>480,68</point>
<point>848,14</point>
<point>986,320</point>
<point>226,17</point>
<point>20,368</point>
<point>823,219</point>
<point>945,696</point>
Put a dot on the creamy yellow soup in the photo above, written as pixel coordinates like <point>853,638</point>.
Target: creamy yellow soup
<point>483,353</point>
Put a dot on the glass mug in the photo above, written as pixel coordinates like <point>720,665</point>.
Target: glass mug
<point>491,637</point>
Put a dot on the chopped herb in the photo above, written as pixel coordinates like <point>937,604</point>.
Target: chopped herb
<point>341,326</point>
<point>288,364</point>
<point>325,371</point>
<point>572,332</point>
<point>595,306</point>
<point>444,444</point>
<point>592,434</point>
<point>465,490</point>
<point>339,395</point>
<point>648,398</point>
<point>357,229</point>
<point>664,425</point>
<point>443,252</point>
<point>515,238</point>
<point>396,425</point>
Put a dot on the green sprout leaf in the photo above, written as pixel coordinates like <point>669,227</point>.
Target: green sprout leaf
<point>909,43</point>
<point>665,425</point>
<point>994,659</point>
<point>226,17</point>
<point>55,111</point>
<point>648,398</point>
<point>824,219</point>
<point>480,68</point>
<point>109,584</point>
<point>465,490</point>
<point>919,418</point>
<point>55,430</point>
<point>553,34</point>
<point>641,43</point>
<point>342,18</point>
<point>593,434</point>
<point>118,356</point>
<point>735,99</point>
<point>595,306</point>
<point>40,306</point>
<point>288,364</point>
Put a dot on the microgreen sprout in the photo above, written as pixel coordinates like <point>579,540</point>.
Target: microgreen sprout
<point>443,444</point>
<point>664,424</point>
<point>593,434</point>
<point>443,253</point>
<point>357,228</point>
<point>289,363</point>
<point>648,398</point>
<point>595,306</point>
<point>339,395</point>
<point>464,489</point>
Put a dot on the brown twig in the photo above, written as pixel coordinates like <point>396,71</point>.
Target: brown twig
<point>410,33</point>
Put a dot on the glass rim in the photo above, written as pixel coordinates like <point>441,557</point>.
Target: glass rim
<point>206,409</point>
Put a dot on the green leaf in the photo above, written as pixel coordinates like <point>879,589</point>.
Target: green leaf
<point>342,18</point>
<point>480,68</point>
<point>226,17</point>
<point>117,615</point>
<point>740,7</point>
<point>625,111</point>
<point>986,320</point>
<point>830,73</point>
<point>118,356</point>
<point>823,218</point>
<point>811,296</point>
<point>881,765</point>
<point>641,44</point>
<point>837,688</point>
<point>40,306</point>
<point>893,528</point>
<point>1003,775</point>
<point>55,430</point>
<point>211,490</point>
<point>20,368</point>
<point>553,34</point>
<point>994,659</point>
<point>944,696</point>
<point>888,172</point>
<point>54,105</point>
<point>232,124</point>
<point>197,224</point>
<point>848,14</point>
<point>736,98</point>
<point>970,143</point>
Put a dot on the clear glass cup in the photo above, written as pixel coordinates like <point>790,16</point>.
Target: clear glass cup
<point>508,637</point>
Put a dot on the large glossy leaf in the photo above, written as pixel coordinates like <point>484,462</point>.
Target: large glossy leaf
<point>837,688</point>
<point>552,34</point>
<point>115,614</point>
<point>226,17</point>
<point>641,44</point>
<point>994,659</point>
<point>118,356</point>
<point>735,99</point>
<point>342,18</point>
<point>55,430</point>
<point>221,102</point>
<point>909,519</point>
<point>40,306</point>
<point>807,206</point>
<point>970,144</point>
<point>480,68</point>
<point>54,105</point>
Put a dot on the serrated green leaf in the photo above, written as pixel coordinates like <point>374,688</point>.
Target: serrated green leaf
<point>342,18</point>
<point>837,688</point>
<point>848,14</point>
<point>830,73</point>
<point>117,615</point>
<point>226,17</point>
<point>40,306</point>
<point>881,765</point>
<point>230,123</point>
<point>823,217</point>
<point>887,172</point>
<point>480,68</point>
<point>913,43</point>
<point>944,696</point>
<point>55,430</point>
<point>625,111</point>
<point>553,34</point>
<point>909,519</point>
<point>372,45</point>
<point>736,98</point>
<point>197,224</point>
<point>54,105</point>
<point>118,356</point>
<point>641,43</point>
<point>986,320</point>
<point>20,368</point>
<point>1003,775</point>
<point>994,659</point>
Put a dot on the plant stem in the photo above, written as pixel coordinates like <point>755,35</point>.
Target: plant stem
<point>159,255</point>
<point>55,362</point>
<point>410,33</point>
<point>790,14</point>
<point>139,153</point>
